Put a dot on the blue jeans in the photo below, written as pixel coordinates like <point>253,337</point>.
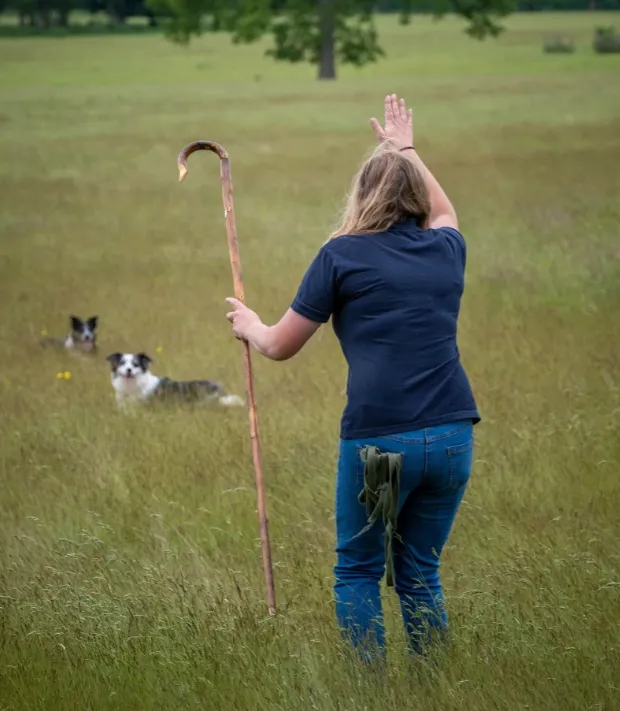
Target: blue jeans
<point>436,468</point>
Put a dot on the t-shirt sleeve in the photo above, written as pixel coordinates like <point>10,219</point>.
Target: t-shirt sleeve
<point>457,241</point>
<point>316,294</point>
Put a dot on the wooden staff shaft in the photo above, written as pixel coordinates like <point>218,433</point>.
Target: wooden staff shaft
<point>235,263</point>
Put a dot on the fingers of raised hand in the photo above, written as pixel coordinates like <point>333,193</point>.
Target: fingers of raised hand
<point>396,109</point>
<point>378,129</point>
<point>388,109</point>
<point>399,108</point>
<point>395,106</point>
<point>402,109</point>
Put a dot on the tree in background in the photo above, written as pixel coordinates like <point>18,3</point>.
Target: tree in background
<point>119,10</point>
<point>41,14</point>
<point>323,32</point>
<point>47,14</point>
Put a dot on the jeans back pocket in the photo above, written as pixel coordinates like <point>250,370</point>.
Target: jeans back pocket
<point>460,460</point>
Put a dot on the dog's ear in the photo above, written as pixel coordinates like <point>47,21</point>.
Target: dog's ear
<point>76,323</point>
<point>144,360</point>
<point>115,359</point>
<point>92,322</point>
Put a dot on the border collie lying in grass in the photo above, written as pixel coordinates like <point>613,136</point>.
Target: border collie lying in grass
<point>82,336</point>
<point>133,382</point>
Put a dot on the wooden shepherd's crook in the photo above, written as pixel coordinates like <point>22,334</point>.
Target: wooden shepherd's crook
<point>233,250</point>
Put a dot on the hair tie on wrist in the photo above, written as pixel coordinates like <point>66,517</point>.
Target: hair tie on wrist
<point>407,148</point>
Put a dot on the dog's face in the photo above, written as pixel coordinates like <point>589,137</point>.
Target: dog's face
<point>129,365</point>
<point>84,333</point>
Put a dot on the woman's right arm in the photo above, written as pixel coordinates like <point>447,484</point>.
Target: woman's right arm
<point>399,129</point>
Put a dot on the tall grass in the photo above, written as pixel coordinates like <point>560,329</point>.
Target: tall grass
<point>129,557</point>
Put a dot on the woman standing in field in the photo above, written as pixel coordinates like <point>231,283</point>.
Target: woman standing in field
<point>391,277</point>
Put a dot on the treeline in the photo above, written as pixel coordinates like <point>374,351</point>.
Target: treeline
<point>46,14</point>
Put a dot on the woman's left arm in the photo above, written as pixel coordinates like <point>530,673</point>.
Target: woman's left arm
<point>279,342</point>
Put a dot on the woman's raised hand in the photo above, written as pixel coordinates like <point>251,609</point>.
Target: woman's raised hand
<point>398,123</point>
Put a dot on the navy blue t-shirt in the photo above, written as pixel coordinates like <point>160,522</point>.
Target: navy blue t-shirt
<point>394,299</point>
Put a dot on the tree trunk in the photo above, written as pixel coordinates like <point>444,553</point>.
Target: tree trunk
<point>63,18</point>
<point>42,19</point>
<point>114,16</point>
<point>327,29</point>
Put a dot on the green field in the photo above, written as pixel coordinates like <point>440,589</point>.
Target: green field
<point>130,573</point>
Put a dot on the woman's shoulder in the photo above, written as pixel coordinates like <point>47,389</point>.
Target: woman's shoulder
<point>453,242</point>
<point>450,232</point>
<point>342,245</point>
<point>348,241</point>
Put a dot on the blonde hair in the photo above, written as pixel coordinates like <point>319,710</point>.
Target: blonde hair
<point>387,189</point>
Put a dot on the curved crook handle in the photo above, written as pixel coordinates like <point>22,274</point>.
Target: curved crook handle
<point>192,148</point>
<point>227,199</point>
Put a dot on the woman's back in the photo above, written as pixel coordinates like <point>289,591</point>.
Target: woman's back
<point>395,300</point>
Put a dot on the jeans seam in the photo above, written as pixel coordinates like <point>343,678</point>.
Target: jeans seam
<point>445,435</point>
<point>425,438</point>
<point>425,469</point>
<point>359,470</point>
<point>402,440</point>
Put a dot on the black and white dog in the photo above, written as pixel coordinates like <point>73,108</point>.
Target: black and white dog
<point>82,337</point>
<point>133,382</point>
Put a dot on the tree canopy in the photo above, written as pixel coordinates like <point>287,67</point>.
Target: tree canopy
<point>324,32</point>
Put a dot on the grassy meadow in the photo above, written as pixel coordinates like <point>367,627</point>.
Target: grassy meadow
<point>130,571</point>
